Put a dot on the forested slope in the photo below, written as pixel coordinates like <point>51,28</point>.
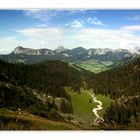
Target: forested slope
<point>119,81</point>
<point>123,85</point>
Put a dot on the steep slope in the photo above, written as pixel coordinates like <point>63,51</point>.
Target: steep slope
<point>119,81</point>
<point>36,89</point>
<point>49,76</point>
<point>123,85</point>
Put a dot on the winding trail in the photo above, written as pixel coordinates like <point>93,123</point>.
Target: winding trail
<point>98,119</point>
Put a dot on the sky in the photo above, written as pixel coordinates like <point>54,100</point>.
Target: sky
<point>70,28</point>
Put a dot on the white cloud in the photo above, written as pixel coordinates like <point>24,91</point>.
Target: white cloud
<point>41,32</point>
<point>1,50</point>
<point>46,15</point>
<point>8,44</point>
<point>132,28</point>
<point>75,24</point>
<point>42,25</point>
<point>89,38</point>
<point>95,21</point>
<point>70,38</point>
<point>103,38</point>
<point>42,15</point>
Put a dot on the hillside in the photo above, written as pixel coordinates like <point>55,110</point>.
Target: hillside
<point>11,120</point>
<point>123,85</point>
<point>38,88</point>
<point>119,81</point>
<point>60,91</point>
<point>49,76</point>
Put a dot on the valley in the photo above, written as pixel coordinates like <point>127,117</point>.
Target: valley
<point>69,69</point>
<point>94,66</point>
<point>65,95</point>
<point>83,105</point>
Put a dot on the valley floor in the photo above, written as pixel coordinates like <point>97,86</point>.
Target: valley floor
<point>83,105</point>
<point>82,118</point>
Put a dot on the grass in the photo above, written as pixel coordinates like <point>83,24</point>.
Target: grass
<point>81,104</point>
<point>106,100</point>
<point>83,107</point>
<point>94,66</point>
<point>10,120</point>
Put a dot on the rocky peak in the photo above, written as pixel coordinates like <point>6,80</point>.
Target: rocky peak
<point>60,49</point>
<point>18,50</point>
<point>137,50</point>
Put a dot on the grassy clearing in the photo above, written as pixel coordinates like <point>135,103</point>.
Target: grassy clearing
<point>93,66</point>
<point>83,104</point>
<point>106,103</point>
<point>10,120</point>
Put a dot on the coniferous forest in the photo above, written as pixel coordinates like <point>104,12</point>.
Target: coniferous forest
<point>28,86</point>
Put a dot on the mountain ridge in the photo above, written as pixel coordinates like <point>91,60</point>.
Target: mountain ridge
<point>93,59</point>
<point>61,49</point>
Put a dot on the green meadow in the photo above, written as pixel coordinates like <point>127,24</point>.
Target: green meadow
<point>83,104</point>
<point>94,66</point>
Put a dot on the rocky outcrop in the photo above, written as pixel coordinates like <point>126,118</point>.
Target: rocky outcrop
<point>63,105</point>
<point>29,51</point>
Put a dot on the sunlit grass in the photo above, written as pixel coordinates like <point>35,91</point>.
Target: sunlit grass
<point>83,104</point>
<point>10,120</point>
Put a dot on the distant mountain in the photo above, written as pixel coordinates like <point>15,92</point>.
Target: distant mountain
<point>80,56</point>
<point>108,54</point>
<point>60,49</point>
<point>135,50</point>
<point>28,51</point>
<point>80,53</point>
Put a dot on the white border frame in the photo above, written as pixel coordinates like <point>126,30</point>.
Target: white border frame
<point>70,4</point>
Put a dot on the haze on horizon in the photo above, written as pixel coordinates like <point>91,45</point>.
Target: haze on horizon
<point>69,28</point>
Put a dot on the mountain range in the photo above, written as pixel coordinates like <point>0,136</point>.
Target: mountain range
<point>94,59</point>
<point>80,52</point>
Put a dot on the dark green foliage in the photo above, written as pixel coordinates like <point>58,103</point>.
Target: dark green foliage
<point>12,97</point>
<point>49,76</point>
<point>118,82</point>
<point>30,59</point>
<point>123,112</point>
<point>66,107</point>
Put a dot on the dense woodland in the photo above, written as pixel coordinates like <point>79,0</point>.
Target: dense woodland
<point>118,82</point>
<point>124,114</point>
<point>49,76</point>
<point>15,97</point>
<point>19,81</point>
<point>123,85</point>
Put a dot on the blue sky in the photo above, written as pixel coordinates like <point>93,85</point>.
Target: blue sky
<point>70,28</point>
